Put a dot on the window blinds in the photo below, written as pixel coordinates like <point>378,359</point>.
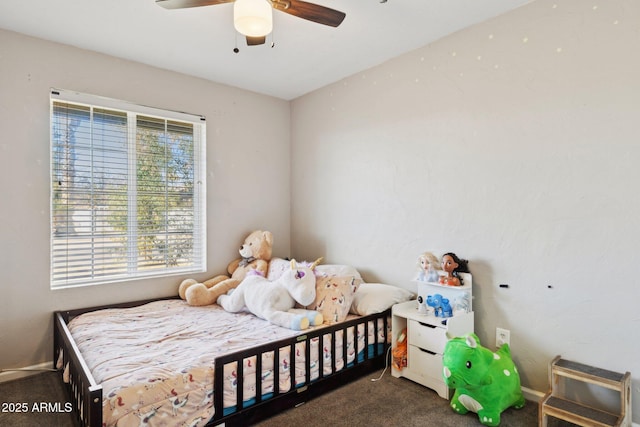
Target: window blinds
<point>127,191</point>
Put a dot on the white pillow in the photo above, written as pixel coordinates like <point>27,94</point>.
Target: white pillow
<point>373,298</point>
<point>337,270</point>
<point>277,266</point>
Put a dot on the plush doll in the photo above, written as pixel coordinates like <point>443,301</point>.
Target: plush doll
<point>486,383</point>
<point>274,301</point>
<point>255,253</point>
<point>452,265</point>
<point>428,266</point>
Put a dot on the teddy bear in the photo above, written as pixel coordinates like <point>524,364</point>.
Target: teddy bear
<point>255,253</point>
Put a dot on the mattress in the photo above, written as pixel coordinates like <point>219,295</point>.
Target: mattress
<point>155,362</point>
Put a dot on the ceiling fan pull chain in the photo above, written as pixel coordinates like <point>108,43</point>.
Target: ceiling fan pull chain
<point>273,38</point>
<point>235,39</point>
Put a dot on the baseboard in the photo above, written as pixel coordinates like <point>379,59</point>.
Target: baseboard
<point>532,395</point>
<point>14,374</point>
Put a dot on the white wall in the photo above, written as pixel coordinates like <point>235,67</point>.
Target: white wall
<point>514,144</point>
<point>247,177</point>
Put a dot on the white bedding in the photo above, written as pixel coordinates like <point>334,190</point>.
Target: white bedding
<point>155,362</point>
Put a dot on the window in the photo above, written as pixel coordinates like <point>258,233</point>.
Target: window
<point>127,191</point>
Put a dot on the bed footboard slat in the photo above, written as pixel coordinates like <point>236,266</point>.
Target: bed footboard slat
<point>370,357</point>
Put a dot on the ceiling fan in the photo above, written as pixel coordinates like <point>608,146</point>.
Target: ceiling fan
<point>253,18</point>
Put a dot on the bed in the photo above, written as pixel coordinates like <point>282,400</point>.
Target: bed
<point>116,378</point>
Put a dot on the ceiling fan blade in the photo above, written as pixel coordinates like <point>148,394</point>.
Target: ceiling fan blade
<point>310,11</point>
<point>255,41</point>
<point>180,4</point>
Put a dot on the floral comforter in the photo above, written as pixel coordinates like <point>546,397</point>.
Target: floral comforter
<point>156,362</point>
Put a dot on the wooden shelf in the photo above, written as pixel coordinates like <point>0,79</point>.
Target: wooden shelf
<point>466,285</point>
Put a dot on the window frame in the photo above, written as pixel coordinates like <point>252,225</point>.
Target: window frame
<point>135,269</point>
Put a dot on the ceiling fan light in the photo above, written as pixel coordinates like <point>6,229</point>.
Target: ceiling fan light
<point>253,18</point>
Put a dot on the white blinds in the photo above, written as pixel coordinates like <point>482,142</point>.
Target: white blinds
<point>127,191</point>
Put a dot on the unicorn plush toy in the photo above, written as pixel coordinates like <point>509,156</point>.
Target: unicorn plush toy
<point>275,301</point>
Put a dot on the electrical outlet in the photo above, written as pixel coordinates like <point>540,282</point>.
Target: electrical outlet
<point>503,336</point>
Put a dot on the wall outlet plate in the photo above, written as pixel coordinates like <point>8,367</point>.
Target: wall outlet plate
<point>503,336</point>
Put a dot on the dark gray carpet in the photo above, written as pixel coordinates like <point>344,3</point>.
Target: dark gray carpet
<point>388,402</point>
<point>36,401</point>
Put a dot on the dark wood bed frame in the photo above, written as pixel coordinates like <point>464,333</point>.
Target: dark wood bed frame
<point>86,394</point>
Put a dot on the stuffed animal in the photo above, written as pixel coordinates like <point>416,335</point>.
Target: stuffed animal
<point>461,303</point>
<point>274,301</point>
<point>441,306</point>
<point>486,383</point>
<point>255,253</point>
<point>399,353</point>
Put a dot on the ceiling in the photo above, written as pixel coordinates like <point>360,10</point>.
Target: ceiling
<point>200,41</point>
